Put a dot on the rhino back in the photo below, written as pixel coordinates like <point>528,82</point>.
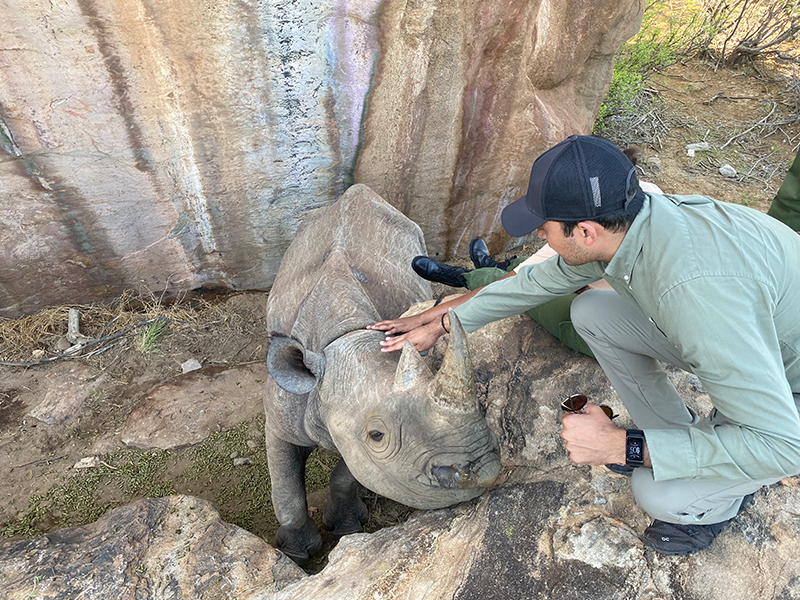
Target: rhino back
<point>348,266</point>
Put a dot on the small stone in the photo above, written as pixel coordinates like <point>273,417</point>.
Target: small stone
<point>38,353</point>
<point>252,444</point>
<point>698,147</point>
<point>243,461</point>
<point>727,171</point>
<point>191,365</point>
<point>653,162</point>
<point>62,344</point>
<point>234,454</point>
<point>90,462</point>
<point>696,384</point>
<point>690,152</point>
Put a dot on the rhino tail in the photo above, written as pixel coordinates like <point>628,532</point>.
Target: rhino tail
<point>454,384</point>
<point>293,367</point>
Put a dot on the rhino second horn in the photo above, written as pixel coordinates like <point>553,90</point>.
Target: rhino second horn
<point>454,384</point>
<point>411,370</point>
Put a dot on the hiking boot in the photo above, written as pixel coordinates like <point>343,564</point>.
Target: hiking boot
<point>433,270</point>
<point>679,539</point>
<point>620,469</point>
<point>480,256</point>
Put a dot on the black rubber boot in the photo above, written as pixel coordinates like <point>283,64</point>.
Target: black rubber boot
<point>480,256</point>
<point>433,270</point>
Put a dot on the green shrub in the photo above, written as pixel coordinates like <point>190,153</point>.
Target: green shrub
<point>662,39</point>
<point>723,31</point>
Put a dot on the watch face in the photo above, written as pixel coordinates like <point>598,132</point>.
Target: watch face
<point>634,449</point>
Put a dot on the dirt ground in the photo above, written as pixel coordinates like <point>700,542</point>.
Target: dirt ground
<point>749,118</point>
<point>723,108</point>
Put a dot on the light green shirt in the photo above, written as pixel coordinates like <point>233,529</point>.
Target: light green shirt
<point>722,282</point>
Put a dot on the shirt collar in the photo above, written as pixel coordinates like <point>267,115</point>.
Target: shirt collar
<point>621,266</point>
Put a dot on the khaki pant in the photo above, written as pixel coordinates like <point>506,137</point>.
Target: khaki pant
<point>629,347</point>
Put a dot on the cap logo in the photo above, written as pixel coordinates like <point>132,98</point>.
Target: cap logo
<point>595,182</point>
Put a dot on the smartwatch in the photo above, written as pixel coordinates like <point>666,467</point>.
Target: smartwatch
<point>634,447</point>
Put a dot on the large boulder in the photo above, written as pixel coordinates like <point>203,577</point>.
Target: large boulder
<point>469,93</point>
<point>167,548</point>
<point>176,145</point>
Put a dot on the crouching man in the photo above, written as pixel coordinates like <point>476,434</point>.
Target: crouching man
<point>710,287</point>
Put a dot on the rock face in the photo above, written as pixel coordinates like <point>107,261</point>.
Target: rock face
<point>175,547</point>
<point>71,385</point>
<point>177,144</point>
<point>468,94</point>
<point>551,530</point>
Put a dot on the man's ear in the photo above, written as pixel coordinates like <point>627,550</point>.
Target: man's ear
<point>588,232</point>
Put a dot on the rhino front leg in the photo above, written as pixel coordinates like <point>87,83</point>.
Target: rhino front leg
<point>297,535</point>
<point>345,512</point>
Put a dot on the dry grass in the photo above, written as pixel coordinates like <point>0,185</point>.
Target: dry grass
<point>40,337</point>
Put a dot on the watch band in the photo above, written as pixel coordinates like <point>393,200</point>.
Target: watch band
<point>634,447</point>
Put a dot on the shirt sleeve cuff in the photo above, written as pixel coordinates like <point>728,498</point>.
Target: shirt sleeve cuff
<point>671,453</point>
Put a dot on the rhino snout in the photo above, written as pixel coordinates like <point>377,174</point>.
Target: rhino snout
<point>477,474</point>
<point>448,477</point>
<point>463,477</point>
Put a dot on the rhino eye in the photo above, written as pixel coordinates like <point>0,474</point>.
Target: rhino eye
<point>375,435</point>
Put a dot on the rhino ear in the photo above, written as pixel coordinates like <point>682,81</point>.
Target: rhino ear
<point>294,368</point>
<point>411,370</point>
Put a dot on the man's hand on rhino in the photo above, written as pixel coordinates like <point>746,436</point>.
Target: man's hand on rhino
<point>431,316</point>
<point>423,338</point>
<point>400,325</point>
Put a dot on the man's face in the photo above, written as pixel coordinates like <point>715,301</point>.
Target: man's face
<point>570,248</point>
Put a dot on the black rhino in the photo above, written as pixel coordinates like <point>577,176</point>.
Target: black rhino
<point>403,432</point>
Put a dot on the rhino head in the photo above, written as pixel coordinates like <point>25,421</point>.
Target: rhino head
<point>406,433</point>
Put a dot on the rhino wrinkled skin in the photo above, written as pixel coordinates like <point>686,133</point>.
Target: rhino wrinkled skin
<point>402,431</point>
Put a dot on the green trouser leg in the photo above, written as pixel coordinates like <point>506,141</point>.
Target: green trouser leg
<point>553,315</point>
<point>786,205</point>
<point>481,277</point>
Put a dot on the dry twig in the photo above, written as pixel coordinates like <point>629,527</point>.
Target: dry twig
<point>761,123</point>
<point>75,351</point>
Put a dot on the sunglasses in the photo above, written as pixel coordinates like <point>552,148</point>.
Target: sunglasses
<point>577,402</point>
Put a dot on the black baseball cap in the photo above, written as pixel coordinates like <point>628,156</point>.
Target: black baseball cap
<point>580,179</point>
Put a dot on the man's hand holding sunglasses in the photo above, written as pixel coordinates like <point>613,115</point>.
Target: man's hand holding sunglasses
<point>591,437</point>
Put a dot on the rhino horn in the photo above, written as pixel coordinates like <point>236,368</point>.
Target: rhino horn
<point>411,370</point>
<point>454,385</point>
